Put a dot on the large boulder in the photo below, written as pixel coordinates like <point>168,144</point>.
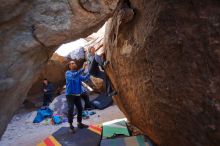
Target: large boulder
<point>164,59</point>
<point>97,84</point>
<point>165,64</point>
<point>30,32</point>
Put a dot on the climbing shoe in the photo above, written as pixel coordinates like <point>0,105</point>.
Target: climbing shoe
<point>72,129</point>
<point>105,63</point>
<point>112,94</point>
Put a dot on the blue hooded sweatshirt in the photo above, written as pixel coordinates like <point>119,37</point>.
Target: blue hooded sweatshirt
<point>73,81</point>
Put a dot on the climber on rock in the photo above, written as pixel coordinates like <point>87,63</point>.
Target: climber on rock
<point>74,80</point>
<point>48,92</point>
<point>95,62</point>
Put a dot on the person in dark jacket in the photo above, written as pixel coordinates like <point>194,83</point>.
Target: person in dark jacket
<point>48,92</point>
<point>95,62</point>
<point>74,80</point>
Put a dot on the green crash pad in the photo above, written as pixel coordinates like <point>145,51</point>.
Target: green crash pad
<point>127,141</point>
<point>115,128</point>
<point>82,137</point>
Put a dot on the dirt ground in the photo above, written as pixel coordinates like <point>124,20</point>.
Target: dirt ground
<point>22,132</point>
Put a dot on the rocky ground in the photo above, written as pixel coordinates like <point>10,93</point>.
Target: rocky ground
<point>21,131</point>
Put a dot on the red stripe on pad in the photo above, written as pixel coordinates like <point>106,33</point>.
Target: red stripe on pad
<point>48,142</point>
<point>96,128</point>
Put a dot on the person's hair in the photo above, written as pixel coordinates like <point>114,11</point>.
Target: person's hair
<point>68,64</point>
<point>45,79</point>
<point>90,49</point>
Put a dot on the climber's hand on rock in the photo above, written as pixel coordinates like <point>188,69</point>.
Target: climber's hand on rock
<point>85,65</point>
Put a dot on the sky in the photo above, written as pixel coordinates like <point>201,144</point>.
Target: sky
<point>74,47</point>
<point>65,49</point>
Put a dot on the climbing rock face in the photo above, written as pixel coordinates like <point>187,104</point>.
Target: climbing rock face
<point>164,59</point>
<point>30,32</point>
<point>165,65</point>
<point>97,84</point>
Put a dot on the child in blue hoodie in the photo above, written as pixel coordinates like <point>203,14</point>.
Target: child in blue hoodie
<point>74,80</point>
